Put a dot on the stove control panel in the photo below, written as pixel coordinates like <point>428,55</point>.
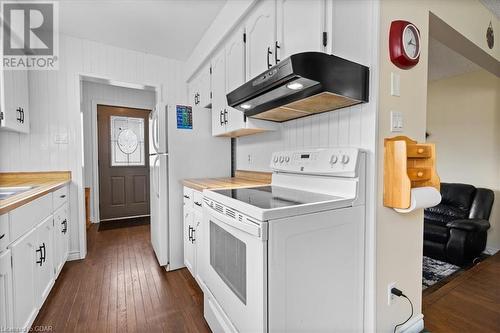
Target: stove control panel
<point>321,161</point>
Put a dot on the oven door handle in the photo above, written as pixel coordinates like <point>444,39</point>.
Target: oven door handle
<point>251,229</point>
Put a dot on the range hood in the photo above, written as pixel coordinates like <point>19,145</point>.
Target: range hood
<point>301,85</point>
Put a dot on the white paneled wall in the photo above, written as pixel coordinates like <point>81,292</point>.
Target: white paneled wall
<point>55,109</point>
<point>354,37</point>
<point>93,92</point>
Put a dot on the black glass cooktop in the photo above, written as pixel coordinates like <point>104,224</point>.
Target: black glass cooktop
<point>267,197</point>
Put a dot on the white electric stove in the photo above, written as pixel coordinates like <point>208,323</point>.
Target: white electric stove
<point>289,256</point>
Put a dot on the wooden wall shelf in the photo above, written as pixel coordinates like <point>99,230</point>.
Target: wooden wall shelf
<point>407,165</point>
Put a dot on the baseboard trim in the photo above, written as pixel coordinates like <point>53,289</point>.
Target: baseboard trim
<point>491,250</point>
<point>414,325</point>
<point>75,255</point>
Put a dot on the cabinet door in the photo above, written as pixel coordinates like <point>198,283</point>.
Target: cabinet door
<point>188,243</point>
<point>24,276</point>
<point>5,290</point>
<point>45,270</point>
<point>260,28</point>
<point>198,245</point>
<point>204,87</point>
<point>61,238</point>
<point>300,27</point>
<point>219,101</point>
<point>235,76</point>
<point>15,100</point>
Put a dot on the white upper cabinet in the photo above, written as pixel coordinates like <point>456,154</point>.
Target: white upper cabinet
<point>14,101</point>
<point>350,23</point>
<point>260,28</point>
<point>219,101</point>
<point>235,76</point>
<point>200,88</point>
<point>300,27</point>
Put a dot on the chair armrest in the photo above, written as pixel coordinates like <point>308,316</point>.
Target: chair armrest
<point>470,224</point>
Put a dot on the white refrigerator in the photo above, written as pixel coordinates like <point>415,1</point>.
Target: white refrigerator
<point>177,154</point>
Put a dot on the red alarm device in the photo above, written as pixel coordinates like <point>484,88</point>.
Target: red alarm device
<point>404,44</point>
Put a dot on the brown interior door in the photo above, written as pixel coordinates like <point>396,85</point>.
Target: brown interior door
<point>123,144</point>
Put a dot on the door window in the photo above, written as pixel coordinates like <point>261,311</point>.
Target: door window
<point>127,141</point>
<point>228,258</point>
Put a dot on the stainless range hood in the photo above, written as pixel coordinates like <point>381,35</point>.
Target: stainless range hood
<point>302,85</point>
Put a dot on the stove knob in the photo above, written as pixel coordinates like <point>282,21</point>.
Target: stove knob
<point>276,159</point>
<point>287,159</point>
<point>345,159</point>
<point>334,159</point>
<point>282,159</point>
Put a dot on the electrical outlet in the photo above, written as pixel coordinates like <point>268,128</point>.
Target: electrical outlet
<point>249,159</point>
<point>390,296</point>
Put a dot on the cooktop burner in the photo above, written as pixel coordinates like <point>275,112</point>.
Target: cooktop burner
<point>268,197</point>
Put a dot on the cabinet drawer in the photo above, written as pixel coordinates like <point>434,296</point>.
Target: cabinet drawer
<point>197,201</point>
<point>4,232</point>
<point>188,197</point>
<point>418,151</point>
<point>60,196</point>
<point>26,217</point>
<point>419,174</point>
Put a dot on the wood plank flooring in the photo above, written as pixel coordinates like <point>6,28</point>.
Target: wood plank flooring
<point>468,303</point>
<point>119,287</point>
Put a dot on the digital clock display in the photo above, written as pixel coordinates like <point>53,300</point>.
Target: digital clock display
<point>305,156</point>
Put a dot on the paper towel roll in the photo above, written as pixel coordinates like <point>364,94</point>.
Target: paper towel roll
<point>422,197</point>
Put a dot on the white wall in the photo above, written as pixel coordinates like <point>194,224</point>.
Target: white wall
<point>463,118</point>
<point>55,109</point>
<point>355,126</point>
<point>93,92</point>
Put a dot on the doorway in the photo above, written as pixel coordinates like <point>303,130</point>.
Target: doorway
<point>123,159</point>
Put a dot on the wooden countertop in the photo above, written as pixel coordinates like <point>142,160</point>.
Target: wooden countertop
<point>242,178</point>
<point>43,182</point>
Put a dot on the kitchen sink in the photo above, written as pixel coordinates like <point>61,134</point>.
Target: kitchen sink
<point>6,192</point>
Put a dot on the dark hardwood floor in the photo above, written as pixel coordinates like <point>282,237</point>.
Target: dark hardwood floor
<point>468,303</point>
<point>119,287</point>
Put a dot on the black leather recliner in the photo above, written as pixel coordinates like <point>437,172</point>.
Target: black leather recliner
<point>455,230</point>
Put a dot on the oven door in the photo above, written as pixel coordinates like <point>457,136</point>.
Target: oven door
<point>235,270</point>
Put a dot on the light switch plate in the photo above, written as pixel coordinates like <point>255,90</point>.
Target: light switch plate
<point>394,84</point>
<point>396,121</point>
<point>61,138</point>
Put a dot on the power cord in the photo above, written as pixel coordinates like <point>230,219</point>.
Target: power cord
<point>399,293</point>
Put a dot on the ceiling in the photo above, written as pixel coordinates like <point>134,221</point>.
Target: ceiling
<point>169,28</point>
<point>493,6</point>
<point>444,62</point>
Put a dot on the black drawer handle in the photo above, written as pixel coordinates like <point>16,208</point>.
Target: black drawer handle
<point>186,196</point>
<point>65,224</point>
<point>62,196</point>
<point>189,233</point>
<point>2,236</point>
<point>197,203</point>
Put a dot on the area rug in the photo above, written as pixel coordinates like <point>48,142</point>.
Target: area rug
<point>435,270</point>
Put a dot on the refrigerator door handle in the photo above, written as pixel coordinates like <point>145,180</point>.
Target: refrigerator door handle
<point>156,177</point>
<point>155,131</point>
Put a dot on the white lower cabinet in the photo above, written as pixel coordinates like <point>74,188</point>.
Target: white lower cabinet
<point>5,291</point>
<point>193,214</point>
<point>25,257</point>
<point>33,259</point>
<point>45,267</point>
<point>189,254</point>
<point>61,238</point>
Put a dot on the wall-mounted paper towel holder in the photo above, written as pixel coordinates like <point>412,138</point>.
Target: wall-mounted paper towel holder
<point>410,178</point>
